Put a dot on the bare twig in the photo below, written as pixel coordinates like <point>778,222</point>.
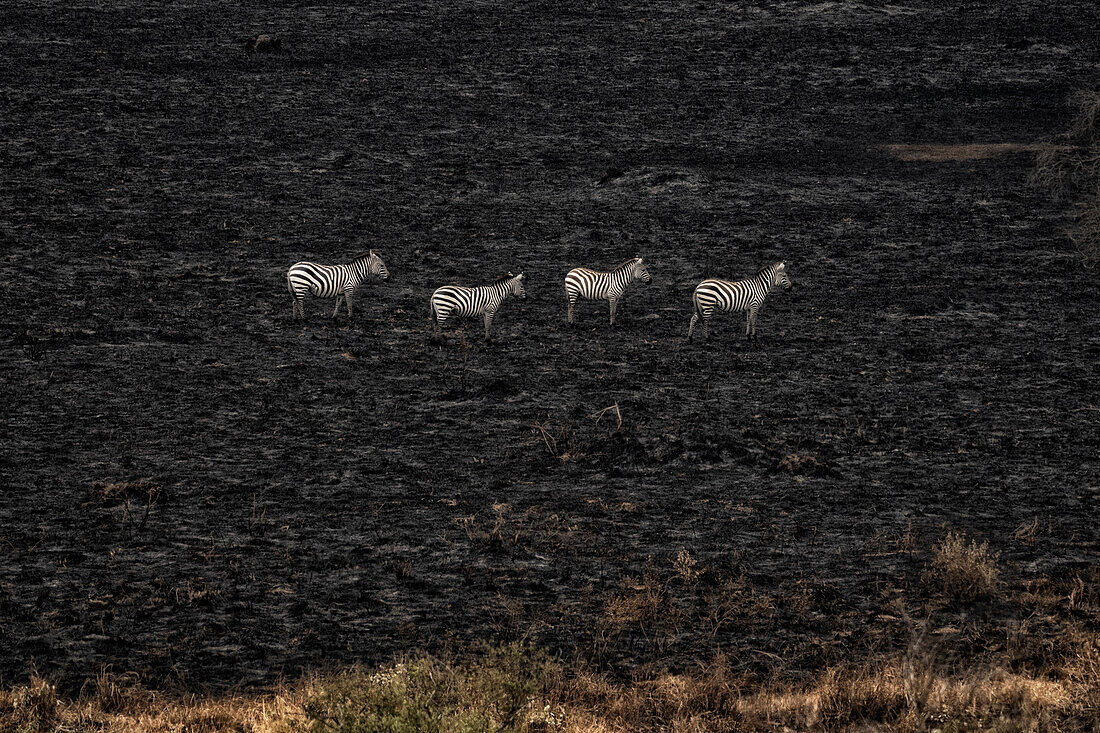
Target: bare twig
<point>618,413</point>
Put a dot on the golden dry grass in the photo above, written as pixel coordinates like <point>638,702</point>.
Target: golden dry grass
<point>1040,672</point>
<point>518,689</point>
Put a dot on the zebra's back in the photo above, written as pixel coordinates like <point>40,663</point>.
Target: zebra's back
<point>588,283</point>
<point>458,300</point>
<point>322,281</point>
<point>725,295</point>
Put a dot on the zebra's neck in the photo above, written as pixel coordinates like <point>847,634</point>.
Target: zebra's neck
<point>765,280</point>
<point>501,289</point>
<point>361,270</point>
<point>354,271</point>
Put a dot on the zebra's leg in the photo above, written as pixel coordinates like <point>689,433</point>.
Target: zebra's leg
<point>488,324</point>
<point>614,303</point>
<point>704,316</point>
<point>438,320</point>
<point>572,298</point>
<point>347,300</point>
<point>750,323</point>
<point>691,326</point>
<point>337,308</point>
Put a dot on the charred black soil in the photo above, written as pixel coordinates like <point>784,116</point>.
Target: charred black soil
<point>198,488</point>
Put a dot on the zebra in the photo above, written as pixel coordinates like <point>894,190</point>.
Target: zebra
<point>744,295</point>
<point>584,283</point>
<point>325,281</point>
<point>457,301</point>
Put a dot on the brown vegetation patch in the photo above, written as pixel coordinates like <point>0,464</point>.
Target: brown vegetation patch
<point>962,569</point>
<point>140,491</point>
<point>803,464</point>
<point>944,153</point>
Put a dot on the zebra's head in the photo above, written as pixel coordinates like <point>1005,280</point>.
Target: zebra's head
<point>515,285</point>
<point>374,266</point>
<point>779,276</point>
<point>641,271</point>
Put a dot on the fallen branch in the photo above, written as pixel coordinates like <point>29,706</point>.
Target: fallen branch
<point>618,413</point>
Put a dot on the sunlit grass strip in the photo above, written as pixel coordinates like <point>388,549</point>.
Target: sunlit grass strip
<point>517,688</point>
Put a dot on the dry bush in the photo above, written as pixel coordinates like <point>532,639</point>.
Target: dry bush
<point>1072,164</point>
<point>498,691</point>
<point>500,533</point>
<point>1027,533</point>
<point>643,606</point>
<point>1070,170</point>
<point>559,438</point>
<point>137,500</point>
<point>686,567</point>
<point>141,491</point>
<point>963,570</point>
<point>600,437</point>
<point>31,708</point>
<point>114,694</point>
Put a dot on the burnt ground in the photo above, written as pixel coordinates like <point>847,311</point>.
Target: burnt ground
<point>197,488</point>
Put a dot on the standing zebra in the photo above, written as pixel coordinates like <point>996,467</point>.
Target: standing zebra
<point>325,281</point>
<point>452,301</point>
<point>584,283</point>
<point>744,295</point>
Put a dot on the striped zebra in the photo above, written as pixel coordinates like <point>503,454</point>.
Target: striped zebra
<point>744,295</point>
<point>325,281</point>
<point>584,283</point>
<point>451,301</point>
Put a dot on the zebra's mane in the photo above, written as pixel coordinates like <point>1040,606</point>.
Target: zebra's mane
<point>626,264</point>
<point>505,278</point>
<point>364,256</point>
<point>767,269</point>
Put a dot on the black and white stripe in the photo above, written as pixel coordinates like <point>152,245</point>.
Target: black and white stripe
<point>595,285</point>
<point>456,301</point>
<point>743,295</point>
<point>326,281</point>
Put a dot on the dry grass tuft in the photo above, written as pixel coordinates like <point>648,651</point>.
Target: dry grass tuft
<point>33,707</point>
<point>963,570</point>
<point>140,491</point>
<point>1069,169</point>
